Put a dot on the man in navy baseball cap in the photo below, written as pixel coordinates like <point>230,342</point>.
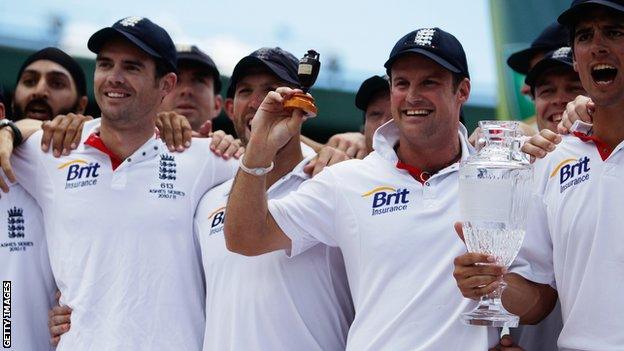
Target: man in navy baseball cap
<point>373,98</point>
<point>196,95</point>
<point>552,37</point>
<point>435,44</point>
<point>140,31</point>
<point>265,68</point>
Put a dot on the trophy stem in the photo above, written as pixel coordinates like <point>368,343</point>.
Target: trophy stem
<point>490,311</point>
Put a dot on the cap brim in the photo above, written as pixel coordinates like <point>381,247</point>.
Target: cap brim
<point>571,15</point>
<point>543,66</point>
<point>368,89</point>
<point>249,61</point>
<point>101,37</point>
<point>439,60</point>
<point>519,61</point>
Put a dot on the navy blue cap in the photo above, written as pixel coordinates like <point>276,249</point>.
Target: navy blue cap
<point>562,57</point>
<point>552,37</point>
<point>142,32</point>
<point>434,43</point>
<point>278,61</point>
<point>579,8</point>
<point>369,88</point>
<point>191,53</point>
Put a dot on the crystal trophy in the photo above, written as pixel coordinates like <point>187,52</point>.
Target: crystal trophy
<point>494,190</point>
<point>308,70</point>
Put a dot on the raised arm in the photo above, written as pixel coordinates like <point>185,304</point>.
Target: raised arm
<point>249,227</point>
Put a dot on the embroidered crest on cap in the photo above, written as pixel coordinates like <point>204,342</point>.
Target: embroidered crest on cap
<point>263,53</point>
<point>184,48</point>
<point>562,52</point>
<point>130,21</point>
<point>424,37</point>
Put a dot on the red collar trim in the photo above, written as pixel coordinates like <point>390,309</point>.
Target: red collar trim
<point>419,175</point>
<point>603,149</point>
<point>95,141</point>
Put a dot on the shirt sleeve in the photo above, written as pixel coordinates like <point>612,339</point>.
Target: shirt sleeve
<point>26,163</point>
<point>308,215</point>
<point>535,259</point>
<point>215,169</point>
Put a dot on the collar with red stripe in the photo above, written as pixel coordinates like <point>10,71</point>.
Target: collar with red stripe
<point>418,174</point>
<point>95,141</point>
<point>603,149</point>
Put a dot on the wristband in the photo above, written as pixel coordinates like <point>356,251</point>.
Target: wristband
<point>17,135</point>
<point>255,171</point>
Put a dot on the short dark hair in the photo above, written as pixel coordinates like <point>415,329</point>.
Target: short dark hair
<point>162,68</point>
<point>457,79</point>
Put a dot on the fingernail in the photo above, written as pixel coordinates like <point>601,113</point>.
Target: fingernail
<point>212,147</point>
<point>187,144</point>
<point>65,152</point>
<point>170,148</point>
<point>57,153</point>
<point>73,145</point>
<point>44,147</point>
<point>491,259</point>
<point>504,270</point>
<point>551,147</point>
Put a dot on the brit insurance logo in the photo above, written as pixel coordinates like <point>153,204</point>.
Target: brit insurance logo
<point>217,220</point>
<point>16,230</point>
<point>80,173</point>
<point>386,199</point>
<point>571,172</point>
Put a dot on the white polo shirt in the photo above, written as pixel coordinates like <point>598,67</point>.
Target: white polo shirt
<point>27,284</point>
<point>270,302</point>
<point>121,241</point>
<point>398,243</point>
<point>574,241</point>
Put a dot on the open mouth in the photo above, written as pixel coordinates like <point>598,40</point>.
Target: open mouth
<point>116,95</point>
<point>604,74</point>
<point>417,112</point>
<point>38,110</point>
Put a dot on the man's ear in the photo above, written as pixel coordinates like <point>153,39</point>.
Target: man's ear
<point>168,82</point>
<point>218,104</point>
<point>229,108</point>
<point>464,90</point>
<point>82,105</point>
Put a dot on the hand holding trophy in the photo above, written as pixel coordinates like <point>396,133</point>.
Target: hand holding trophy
<point>309,67</point>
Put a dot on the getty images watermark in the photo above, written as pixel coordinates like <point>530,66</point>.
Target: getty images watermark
<point>6,314</point>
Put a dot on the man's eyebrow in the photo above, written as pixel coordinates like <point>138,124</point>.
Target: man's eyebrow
<point>57,74</point>
<point>134,63</point>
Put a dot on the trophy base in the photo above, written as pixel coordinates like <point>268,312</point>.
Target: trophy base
<point>303,102</point>
<point>490,315</point>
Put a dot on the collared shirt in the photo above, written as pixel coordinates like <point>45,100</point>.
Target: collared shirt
<point>121,241</point>
<point>270,302</point>
<point>27,284</point>
<point>574,241</point>
<point>398,243</point>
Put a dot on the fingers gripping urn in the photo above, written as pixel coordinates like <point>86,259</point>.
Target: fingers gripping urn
<point>494,190</point>
<point>308,71</point>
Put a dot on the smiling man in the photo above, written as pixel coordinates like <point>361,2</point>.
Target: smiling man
<point>391,214</point>
<point>196,94</point>
<point>574,246</point>
<point>118,211</point>
<point>49,83</point>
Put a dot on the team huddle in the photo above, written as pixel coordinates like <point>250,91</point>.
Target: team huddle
<point>124,233</point>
